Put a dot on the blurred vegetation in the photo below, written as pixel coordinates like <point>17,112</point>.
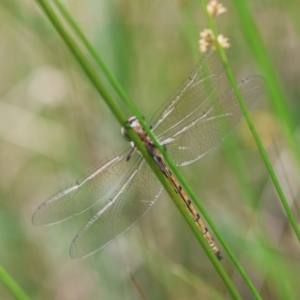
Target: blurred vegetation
<point>52,130</point>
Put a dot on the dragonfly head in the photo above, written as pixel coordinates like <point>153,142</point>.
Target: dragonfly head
<point>134,123</point>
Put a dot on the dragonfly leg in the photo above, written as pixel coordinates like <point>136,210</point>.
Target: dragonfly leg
<point>131,153</point>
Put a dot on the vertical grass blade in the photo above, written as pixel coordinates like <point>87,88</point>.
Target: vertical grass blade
<point>72,23</point>
<point>12,286</point>
<point>276,96</point>
<point>92,75</point>
<point>259,144</point>
<point>128,102</point>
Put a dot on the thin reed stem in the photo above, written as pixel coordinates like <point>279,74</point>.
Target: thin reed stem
<point>12,286</point>
<point>92,75</point>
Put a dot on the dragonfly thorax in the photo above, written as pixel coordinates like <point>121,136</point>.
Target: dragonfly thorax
<point>137,127</point>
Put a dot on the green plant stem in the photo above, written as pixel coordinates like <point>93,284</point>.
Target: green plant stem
<point>169,161</point>
<point>273,86</point>
<point>184,184</point>
<point>159,262</point>
<point>12,286</point>
<point>130,104</point>
<point>126,100</point>
<point>246,114</point>
<point>258,142</point>
<point>251,125</point>
<point>92,75</point>
<point>115,84</point>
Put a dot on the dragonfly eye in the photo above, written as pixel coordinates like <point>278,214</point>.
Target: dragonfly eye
<point>133,121</point>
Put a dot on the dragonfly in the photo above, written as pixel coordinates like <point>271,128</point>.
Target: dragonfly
<point>188,125</point>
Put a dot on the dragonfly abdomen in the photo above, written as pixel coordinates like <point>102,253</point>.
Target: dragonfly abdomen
<point>188,203</point>
<point>134,123</point>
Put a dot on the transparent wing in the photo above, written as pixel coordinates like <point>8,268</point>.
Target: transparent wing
<point>193,93</point>
<point>204,129</point>
<point>84,192</point>
<point>129,202</point>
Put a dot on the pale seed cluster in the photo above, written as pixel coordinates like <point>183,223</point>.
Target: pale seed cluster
<point>207,38</point>
<point>215,8</point>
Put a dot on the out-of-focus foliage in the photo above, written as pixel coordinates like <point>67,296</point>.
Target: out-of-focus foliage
<point>52,130</point>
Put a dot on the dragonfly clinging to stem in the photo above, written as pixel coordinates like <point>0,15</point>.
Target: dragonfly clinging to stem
<point>190,123</point>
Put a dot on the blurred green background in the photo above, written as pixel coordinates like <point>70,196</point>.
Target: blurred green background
<point>53,129</point>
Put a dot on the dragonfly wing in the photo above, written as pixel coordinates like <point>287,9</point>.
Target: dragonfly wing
<point>201,132</point>
<point>129,202</point>
<point>84,192</point>
<point>193,93</point>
